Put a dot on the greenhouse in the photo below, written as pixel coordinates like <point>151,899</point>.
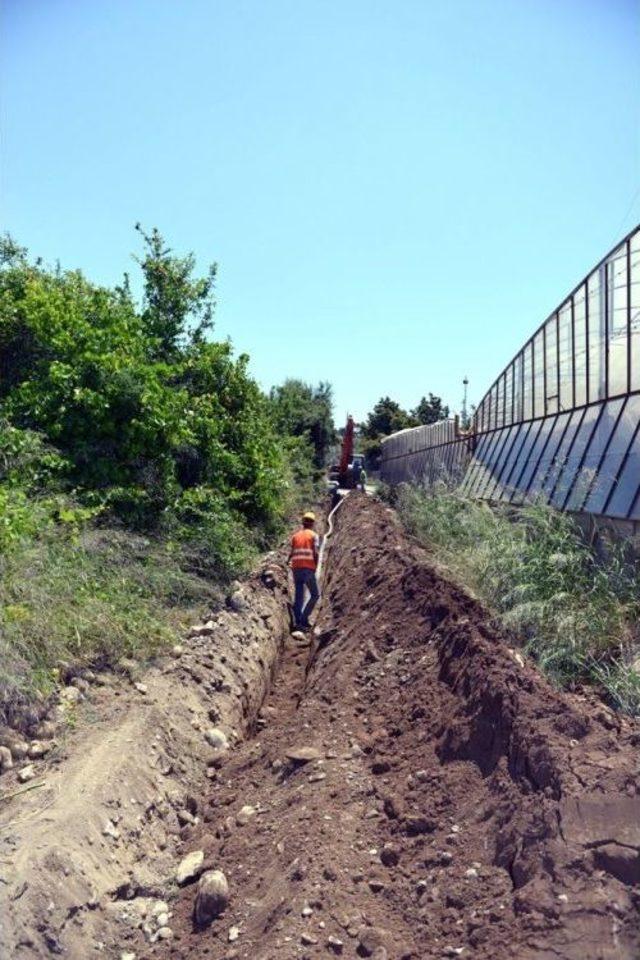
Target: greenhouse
<point>562,420</point>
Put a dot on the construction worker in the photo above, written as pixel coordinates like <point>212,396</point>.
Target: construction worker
<point>303,559</point>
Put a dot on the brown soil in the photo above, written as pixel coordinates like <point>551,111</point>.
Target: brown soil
<point>102,821</point>
<point>418,790</point>
<point>458,805</point>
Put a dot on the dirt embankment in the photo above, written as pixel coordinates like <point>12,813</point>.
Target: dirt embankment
<point>114,797</point>
<point>408,787</point>
<point>451,802</point>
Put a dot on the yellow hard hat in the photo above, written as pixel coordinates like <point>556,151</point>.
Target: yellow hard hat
<point>309,515</point>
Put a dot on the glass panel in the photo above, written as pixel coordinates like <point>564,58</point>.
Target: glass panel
<point>565,347</point>
<point>562,452</point>
<point>508,395</point>
<point>536,451</point>
<point>580,346</point>
<point>477,467</point>
<point>527,412</point>
<point>513,461</point>
<point>627,484</point>
<point>500,402</point>
<point>574,456</point>
<point>492,452</point>
<point>501,456</point>
<point>538,379</point>
<point>517,389</point>
<point>635,311</point>
<point>597,446</point>
<point>546,460</point>
<point>551,354</point>
<point>617,291</point>
<point>618,446</point>
<point>523,461</point>
<point>596,337</point>
<point>492,407</point>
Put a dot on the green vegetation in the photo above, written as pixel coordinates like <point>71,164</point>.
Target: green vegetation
<point>577,614</point>
<point>388,417</point>
<point>139,462</point>
<point>304,416</point>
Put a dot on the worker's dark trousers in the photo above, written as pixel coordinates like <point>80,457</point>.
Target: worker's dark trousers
<point>304,580</point>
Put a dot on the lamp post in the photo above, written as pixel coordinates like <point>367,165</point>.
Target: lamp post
<point>465,421</point>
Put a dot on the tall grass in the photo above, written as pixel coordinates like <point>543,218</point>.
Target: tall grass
<point>87,600</point>
<point>577,614</point>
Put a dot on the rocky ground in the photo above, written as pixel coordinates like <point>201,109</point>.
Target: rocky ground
<point>407,787</point>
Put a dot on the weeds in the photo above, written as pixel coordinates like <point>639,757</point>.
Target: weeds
<point>92,599</point>
<point>576,614</point>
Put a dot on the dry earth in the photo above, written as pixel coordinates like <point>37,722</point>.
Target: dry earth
<point>408,787</point>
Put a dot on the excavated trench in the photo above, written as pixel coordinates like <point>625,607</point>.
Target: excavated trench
<point>414,789</point>
<point>402,785</point>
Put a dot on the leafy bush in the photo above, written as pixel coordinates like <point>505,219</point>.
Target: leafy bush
<point>117,419</point>
<point>138,405</point>
<point>577,614</point>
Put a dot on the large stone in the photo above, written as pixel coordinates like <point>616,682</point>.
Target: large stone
<point>303,754</point>
<point>217,738</point>
<point>26,774</point>
<point>19,749</point>
<point>238,603</point>
<point>390,855</point>
<point>190,867</point>
<point>371,939</point>
<point>621,862</point>
<point>245,814</point>
<point>71,695</point>
<point>6,760</point>
<point>46,730</point>
<point>212,897</point>
<point>39,748</point>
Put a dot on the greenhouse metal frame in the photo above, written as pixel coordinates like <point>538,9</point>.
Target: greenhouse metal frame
<point>562,421</point>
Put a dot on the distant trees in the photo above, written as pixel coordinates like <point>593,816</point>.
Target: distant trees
<point>302,410</point>
<point>388,417</point>
<point>430,410</point>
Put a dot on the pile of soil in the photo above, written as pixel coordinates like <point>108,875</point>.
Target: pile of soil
<point>415,789</point>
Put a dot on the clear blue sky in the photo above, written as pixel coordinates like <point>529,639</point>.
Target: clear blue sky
<point>396,192</point>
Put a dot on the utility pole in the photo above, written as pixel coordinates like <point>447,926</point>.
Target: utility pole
<point>465,419</point>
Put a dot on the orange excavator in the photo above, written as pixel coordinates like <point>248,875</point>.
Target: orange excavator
<point>346,474</point>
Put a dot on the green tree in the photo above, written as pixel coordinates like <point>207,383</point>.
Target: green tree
<point>430,410</point>
<point>175,302</point>
<point>142,407</point>
<point>301,410</point>
<point>386,417</point>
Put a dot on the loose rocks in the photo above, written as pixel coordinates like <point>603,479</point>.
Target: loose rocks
<point>26,774</point>
<point>212,897</point>
<point>244,815</point>
<point>190,867</point>
<point>217,738</point>
<point>371,939</point>
<point>6,760</point>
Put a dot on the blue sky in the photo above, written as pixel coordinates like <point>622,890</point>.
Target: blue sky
<point>396,192</point>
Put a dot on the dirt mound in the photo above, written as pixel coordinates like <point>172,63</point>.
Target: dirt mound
<point>414,789</point>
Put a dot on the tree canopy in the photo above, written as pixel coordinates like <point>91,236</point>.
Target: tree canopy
<point>154,422</point>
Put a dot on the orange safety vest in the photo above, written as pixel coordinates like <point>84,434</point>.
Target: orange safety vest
<point>303,552</point>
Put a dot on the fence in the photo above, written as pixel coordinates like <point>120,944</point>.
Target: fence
<point>562,420</point>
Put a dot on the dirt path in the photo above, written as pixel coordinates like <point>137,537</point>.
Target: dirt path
<point>456,804</point>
